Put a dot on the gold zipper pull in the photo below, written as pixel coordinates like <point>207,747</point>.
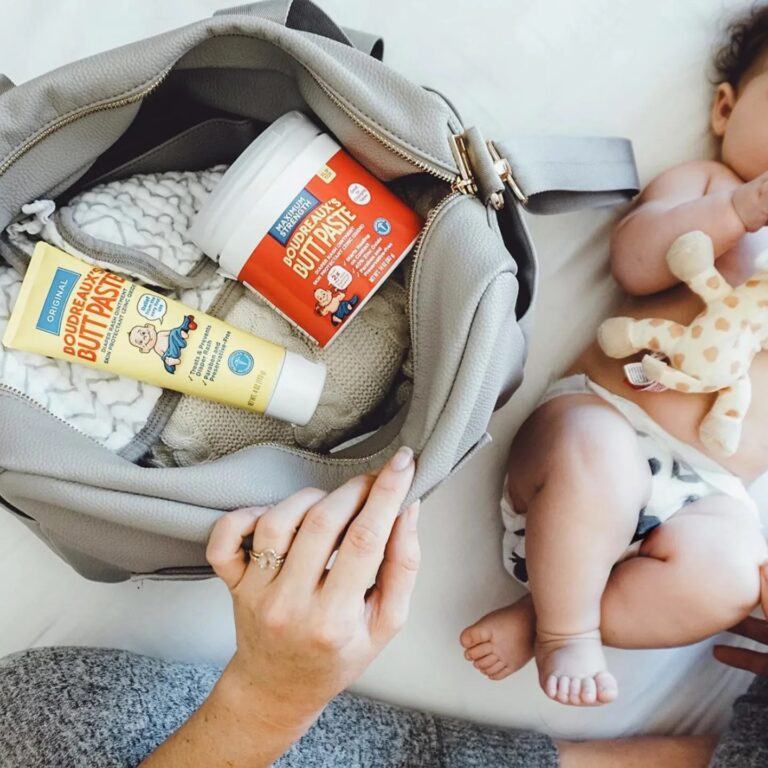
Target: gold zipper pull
<point>504,169</point>
<point>465,182</point>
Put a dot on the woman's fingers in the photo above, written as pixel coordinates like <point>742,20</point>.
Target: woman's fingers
<point>275,530</point>
<point>362,549</point>
<point>225,545</point>
<point>391,599</point>
<point>321,530</point>
<point>742,658</point>
<point>754,629</point>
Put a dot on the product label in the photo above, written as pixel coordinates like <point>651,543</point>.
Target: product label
<point>293,215</point>
<point>634,374</point>
<point>81,313</point>
<point>62,285</point>
<point>331,248</point>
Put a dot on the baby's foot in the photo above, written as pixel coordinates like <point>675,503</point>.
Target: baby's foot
<point>572,669</point>
<point>502,641</point>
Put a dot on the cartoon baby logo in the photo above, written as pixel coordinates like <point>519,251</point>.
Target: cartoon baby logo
<point>335,304</point>
<point>168,345</point>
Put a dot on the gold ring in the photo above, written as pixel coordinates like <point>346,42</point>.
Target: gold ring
<point>268,558</point>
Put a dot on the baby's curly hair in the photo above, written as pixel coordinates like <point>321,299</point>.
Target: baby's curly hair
<point>746,41</point>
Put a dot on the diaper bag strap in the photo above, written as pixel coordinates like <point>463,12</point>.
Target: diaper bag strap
<point>556,174</point>
<point>305,16</point>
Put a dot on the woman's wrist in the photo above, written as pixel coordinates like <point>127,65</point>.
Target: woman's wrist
<point>234,727</point>
<point>256,701</point>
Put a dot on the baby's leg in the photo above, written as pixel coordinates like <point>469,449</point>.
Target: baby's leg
<point>697,575</point>
<point>577,472</point>
<point>579,524</point>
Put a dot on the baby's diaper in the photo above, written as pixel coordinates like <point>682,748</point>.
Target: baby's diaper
<point>680,475</point>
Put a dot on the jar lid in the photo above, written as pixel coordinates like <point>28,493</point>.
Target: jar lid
<point>254,170</point>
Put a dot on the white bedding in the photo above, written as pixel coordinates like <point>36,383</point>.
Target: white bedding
<point>602,66</point>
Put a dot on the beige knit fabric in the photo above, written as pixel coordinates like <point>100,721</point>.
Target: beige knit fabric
<point>363,363</point>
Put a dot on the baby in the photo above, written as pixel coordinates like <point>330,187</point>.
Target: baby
<point>168,345</point>
<point>627,531</point>
<point>335,304</point>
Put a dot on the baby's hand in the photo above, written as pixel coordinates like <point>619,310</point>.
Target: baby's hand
<point>750,201</point>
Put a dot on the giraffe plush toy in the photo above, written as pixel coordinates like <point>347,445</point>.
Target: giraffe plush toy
<point>713,353</point>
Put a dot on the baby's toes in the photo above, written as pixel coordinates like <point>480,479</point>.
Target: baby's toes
<point>558,687</point>
<point>474,635</point>
<point>478,651</point>
<point>486,662</point>
<point>564,689</point>
<point>588,691</point>
<point>607,687</point>
<point>495,669</point>
<point>575,693</point>
<point>550,686</point>
<point>505,671</point>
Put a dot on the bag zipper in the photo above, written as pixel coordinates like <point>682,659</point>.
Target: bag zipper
<point>433,214</point>
<point>453,179</point>
<point>153,85</point>
<point>102,106</point>
<point>24,397</point>
<point>420,163</point>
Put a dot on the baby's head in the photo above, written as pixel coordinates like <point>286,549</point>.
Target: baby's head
<point>323,297</point>
<point>143,337</point>
<point>740,108</point>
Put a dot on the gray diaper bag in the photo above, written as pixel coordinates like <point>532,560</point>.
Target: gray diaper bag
<point>195,97</point>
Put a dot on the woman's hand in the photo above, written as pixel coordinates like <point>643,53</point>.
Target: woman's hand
<point>754,629</point>
<point>304,633</point>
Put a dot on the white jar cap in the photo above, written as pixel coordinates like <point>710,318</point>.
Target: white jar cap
<point>297,391</point>
<point>260,164</point>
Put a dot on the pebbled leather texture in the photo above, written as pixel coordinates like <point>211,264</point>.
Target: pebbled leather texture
<point>109,517</point>
<point>141,520</point>
<point>411,117</point>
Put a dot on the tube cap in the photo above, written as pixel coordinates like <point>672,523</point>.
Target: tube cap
<point>297,391</point>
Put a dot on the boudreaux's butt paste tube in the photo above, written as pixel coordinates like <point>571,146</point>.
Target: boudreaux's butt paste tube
<point>74,311</point>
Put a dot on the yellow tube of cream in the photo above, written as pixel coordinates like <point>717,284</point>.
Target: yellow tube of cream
<point>74,311</point>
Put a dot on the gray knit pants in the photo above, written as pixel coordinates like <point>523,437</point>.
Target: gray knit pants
<point>86,707</point>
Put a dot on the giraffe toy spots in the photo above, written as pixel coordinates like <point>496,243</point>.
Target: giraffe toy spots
<point>713,353</point>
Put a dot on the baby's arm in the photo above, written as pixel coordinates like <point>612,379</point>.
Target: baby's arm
<point>702,195</point>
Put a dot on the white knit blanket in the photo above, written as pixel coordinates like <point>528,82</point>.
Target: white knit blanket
<point>150,213</point>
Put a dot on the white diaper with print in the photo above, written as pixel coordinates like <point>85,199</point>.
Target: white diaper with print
<point>680,475</point>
